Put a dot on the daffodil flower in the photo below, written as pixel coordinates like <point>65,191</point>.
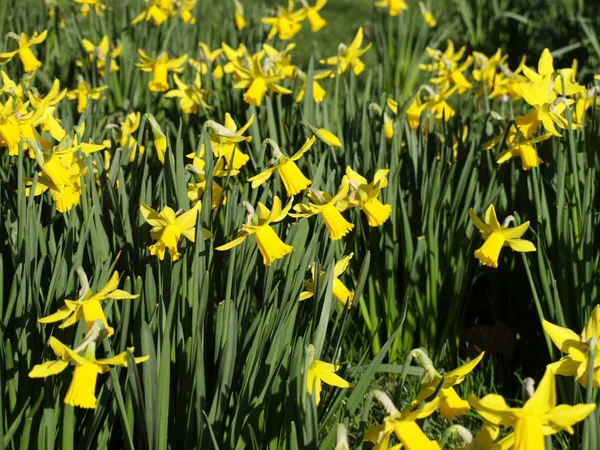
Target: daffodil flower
<point>82,390</point>
<point>158,11</point>
<point>451,405</point>
<point>191,96</point>
<point>312,14</point>
<point>324,135</point>
<point>402,424</point>
<point>323,204</point>
<point>280,62</point>
<point>15,122</point>
<point>168,228</point>
<point>195,190</point>
<point>497,237</point>
<point>30,62</point>
<point>88,6</point>
<point>349,56</point>
<point>99,54</point>
<point>234,56</point>
<point>126,139</point>
<point>256,82</point>
<point>427,16</point>
<point>321,372</point>
<point>486,439</point>
<point>293,179</point>
<point>576,362</point>
<point>46,106</point>
<point>518,145</point>
<point>339,290</point>
<point>259,226</point>
<point>286,23</point>
<point>83,93</point>
<point>539,416</point>
<point>207,58</point>
<point>224,140</point>
<point>11,88</point>
<point>160,68</point>
<point>88,305</point>
<point>395,7</point>
<point>317,90</point>
<point>364,195</point>
<point>238,15</point>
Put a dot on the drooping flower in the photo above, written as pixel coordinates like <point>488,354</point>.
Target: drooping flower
<point>317,90</point>
<point>538,417</point>
<point>286,22</point>
<point>323,204</point>
<point>339,290</point>
<point>196,189</point>
<point>364,195</point>
<point>126,139</point>
<point>349,56</point>
<point>224,140</point>
<point>30,62</point>
<point>83,93</point>
<point>168,227</point>
<point>402,424</point>
<point>256,82</point>
<point>191,96</point>
<point>497,237</point>
<point>99,55</point>
<point>291,176</point>
<point>321,372</point>
<point>82,390</point>
<point>427,16</point>
<point>160,68</point>
<point>88,305</point>
<point>238,15</point>
<point>576,362</point>
<point>259,225</point>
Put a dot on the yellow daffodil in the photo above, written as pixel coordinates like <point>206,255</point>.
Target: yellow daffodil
<point>82,390</point>
<point>126,139</point>
<point>488,439</point>
<point>238,15</point>
<point>224,140</point>
<point>539,416</point>
<point>256,81</point>
<point>234,57</point>
<point>402,424</point>
<point>293,179</point>
<point>280,62</point>
<point>83,93</point>
<point>450,405</point>
<point>185,8</point>
<point>195,190</point>
<point>349,56</point>
<point>497,237</point>
<point>168,227</point>
<point>160,68</point>
<point>157,10</point>
<point>339,290</point>
<point>317,90</point>
<point>16,122</point>
<point>99,55</point>
<point>45,107</point>
<point>12,88</point>
<point>321,372</point>
<point>364,195</point>
<point>286,22</point>
<point>326,136</point>
<point>323,204</point>
<point>207,58</point>
<point>395,7</point>
<point>576,362</point>
<point>427,16</point>
<point>160,138</point>
<point>517,145</point>
<point>87,305</point>
<point>30,62</point>
<point>312,14</point>
<point>191,96</point>
<point>88,6</point>
<point>259,225</point>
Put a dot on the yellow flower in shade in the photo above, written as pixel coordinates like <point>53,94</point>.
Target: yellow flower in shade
<point>317,90</point>
<point>339,290</point>
<point>30,62</point>
<point>126,139</point>
<point>256,81</point>
<point>195,190</point>
<point>395,7</point>
<point>451,405</point>
<point>286,23</point>
<point>325,205</point>
<point>191,96</point>
<point>99,55</point>
<point>238,15</point>
<point>321,372</point>
<point>160,68</point>
<point>224,140</point>
<point>168,227</point>
<point>576,362</point>
<point>538,417</point>
<point>157,10</point>
<point>488,439</point>
<point>293,179</point>
<point>497,237</point>
<point>349,57</point>
<point>88,6</point>
<point>312,14</point>
<point>364,195</point>
<point>82,390</point>
<point>518,145</point>
<point>259,226</point>
<point>61,173</point>
<point>427,16</point>
<point>83,93</point>
<point>402,424</point>
<point>207,58</point>
<point>88,305</point>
